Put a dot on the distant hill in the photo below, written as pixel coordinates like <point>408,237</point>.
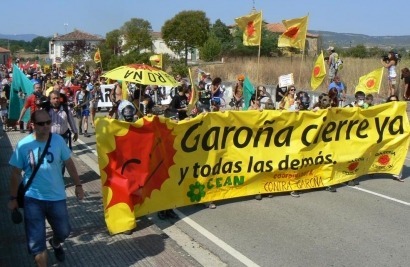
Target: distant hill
<point>18,37</point>
<point>328,38</point>
<point>351,39</point>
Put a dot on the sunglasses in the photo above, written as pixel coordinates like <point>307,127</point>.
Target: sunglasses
<point>42,123</point>
<point>292,90</point>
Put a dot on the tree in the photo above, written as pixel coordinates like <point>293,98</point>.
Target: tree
<point>223,34</point>
<point>77,51</point>
<point>113,41</point>
<point>41,44</point>
<point>186,30</point>
<point>137,34</point>
<point>211,49</point>
<point>358,51</point>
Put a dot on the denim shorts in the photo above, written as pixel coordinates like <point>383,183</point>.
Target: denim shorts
<point>35,214</point>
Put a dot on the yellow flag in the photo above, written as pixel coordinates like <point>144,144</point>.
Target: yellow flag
<point>124,90</point>
<point>194,93</point>
<point>251,25</point>
<point>318,72</point>
<point>69,71</point>
<point>156,61</point>
<point>97,56</point>
<point>295,34</point>
<point>371,82</point>
<point>47,69</point>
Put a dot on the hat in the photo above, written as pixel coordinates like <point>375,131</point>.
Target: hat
<point>241,77</point>
<point>331,48</point>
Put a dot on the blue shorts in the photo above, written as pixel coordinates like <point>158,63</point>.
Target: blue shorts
<point>35,214</point>
<point>83,113</point>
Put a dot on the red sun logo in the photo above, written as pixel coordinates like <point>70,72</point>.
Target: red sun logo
<point>383,160</point>
<point>140,163</point>
<point>370,83</point>
<point>352,166</point>
<point>316,71</point>
<point>292,32</point>
<point>250,29</point>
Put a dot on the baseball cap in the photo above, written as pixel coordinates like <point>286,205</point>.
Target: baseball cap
<point>331,48</point>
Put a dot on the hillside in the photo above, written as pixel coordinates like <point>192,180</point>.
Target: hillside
<point>18,37</point>
<point>328,38</point>
<point>351,39</point>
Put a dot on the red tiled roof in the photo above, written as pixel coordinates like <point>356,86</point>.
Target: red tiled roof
<point>78,35</point>
<point>280,28</point>
<point>4,50</point>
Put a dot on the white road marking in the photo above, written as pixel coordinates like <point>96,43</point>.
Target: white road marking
<point>236,254</point>
<point>88,147</point>
<point>381,195</point>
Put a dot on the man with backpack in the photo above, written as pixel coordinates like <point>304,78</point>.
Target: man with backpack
<point>334,62</point>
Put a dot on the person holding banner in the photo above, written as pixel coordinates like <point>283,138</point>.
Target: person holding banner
<point>238,93</point>
<point>288,101</point>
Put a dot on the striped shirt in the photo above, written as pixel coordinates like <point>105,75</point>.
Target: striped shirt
<point>60,121</point>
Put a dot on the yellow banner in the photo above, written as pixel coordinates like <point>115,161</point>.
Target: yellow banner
<point>156,163</point>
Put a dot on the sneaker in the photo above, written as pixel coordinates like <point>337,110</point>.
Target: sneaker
<point>58,252</point>
<point>398,178</point>
<point>294,194</point>
<point>351,183</point>
<point>331,189</point>
<point>128,232</point>
<point>171,214</point>
<point>80,132</point>
<point>270,196</point>
<point>258,197</point>
<point>162,215</point>
<point>212,205</point>
<point>356,182</point>
<point>87,134</point>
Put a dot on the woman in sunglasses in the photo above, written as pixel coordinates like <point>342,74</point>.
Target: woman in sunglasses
<point>288,101</point>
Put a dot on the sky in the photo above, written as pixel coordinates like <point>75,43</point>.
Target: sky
<point>46,17</point>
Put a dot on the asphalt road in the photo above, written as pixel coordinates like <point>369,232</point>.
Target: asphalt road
<point>365,225</point>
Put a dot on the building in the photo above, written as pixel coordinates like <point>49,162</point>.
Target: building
<point>56,44</point>
<point>159,47</point>
<point>311,45</point>
<point>4,55</point>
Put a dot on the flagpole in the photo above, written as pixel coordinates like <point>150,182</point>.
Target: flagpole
<point>259,56</point>
<point>303,50</point>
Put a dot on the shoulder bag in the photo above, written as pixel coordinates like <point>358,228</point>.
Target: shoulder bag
<point>22,189</point>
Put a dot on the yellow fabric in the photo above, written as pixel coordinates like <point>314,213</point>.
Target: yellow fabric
<point>69,71</point>
<point>194,93</point>
<point>371,82</point>
<point>156,61</point>
<point>49,90</point>
<point>142,74</point>
<point>318,72</point>
<point>295,34</point>
<point>124,90</point>
<point>97,56</point>
<point>251,25</point>
<point>157,163</point>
